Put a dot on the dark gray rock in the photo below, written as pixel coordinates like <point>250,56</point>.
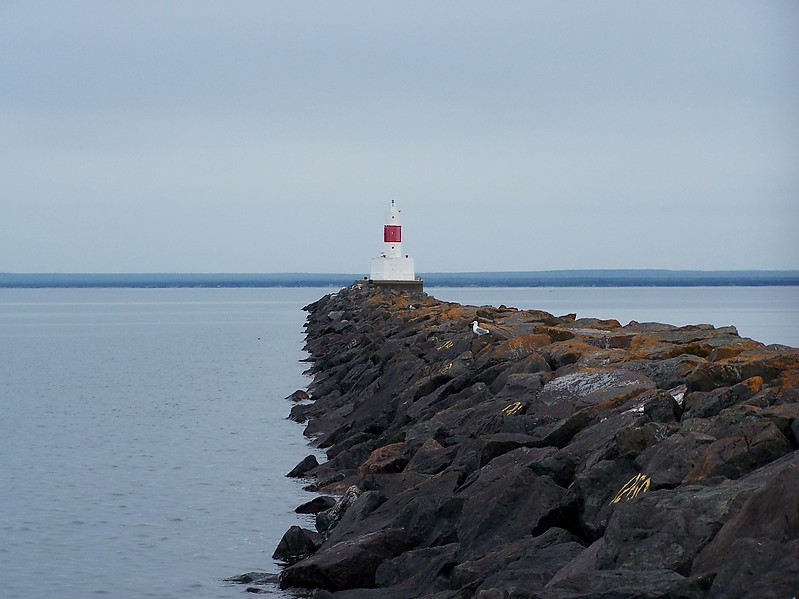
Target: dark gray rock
<point>349,520</point>
<point>431,458</point>
<point>595,489</point>
<point>329,518</point>
<point>669,462</point>
<point>307,464</point>
<point>667,373</point>
<point>706,404</point>
<point>667,529</point>
<point>755,552</point>
<point>498,444</point>
<point>732,457</point>
<point>431,520</point>
<point>418,569</point>
<point>296,544</point>
<point>348,564</point>
<point>299,413</point>
<point>525,565</point>
<point>628,583</point>
<point>257,578</point>
<point>504,503</point>
<point>316,505</point>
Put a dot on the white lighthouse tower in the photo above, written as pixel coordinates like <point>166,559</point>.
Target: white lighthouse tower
<point>392,268</point>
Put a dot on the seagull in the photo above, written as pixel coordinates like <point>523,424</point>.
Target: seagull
<point>478,330</point>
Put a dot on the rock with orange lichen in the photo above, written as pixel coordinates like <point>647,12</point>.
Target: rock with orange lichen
<point>767,362</point>
<point>387,458</point>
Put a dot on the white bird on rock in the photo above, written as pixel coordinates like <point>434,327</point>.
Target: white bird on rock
<point>478,330</point>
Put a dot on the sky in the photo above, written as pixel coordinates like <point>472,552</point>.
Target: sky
<point>250,136</point>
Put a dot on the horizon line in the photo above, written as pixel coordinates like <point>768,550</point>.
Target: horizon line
<point>437,272</point>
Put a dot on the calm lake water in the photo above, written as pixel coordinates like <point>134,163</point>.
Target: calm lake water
<point>144,436</point>
<point>143,441</point>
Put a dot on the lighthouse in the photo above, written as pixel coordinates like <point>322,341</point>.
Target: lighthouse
<point>392,268</point>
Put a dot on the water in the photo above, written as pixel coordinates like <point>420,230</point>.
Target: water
<point>143,438</point>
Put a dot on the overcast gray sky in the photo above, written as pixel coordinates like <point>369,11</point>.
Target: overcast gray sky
<point>253,136</point>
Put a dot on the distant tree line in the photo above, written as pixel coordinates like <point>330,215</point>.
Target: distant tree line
<point>551,278</point>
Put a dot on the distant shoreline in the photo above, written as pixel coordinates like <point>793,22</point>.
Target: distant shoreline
<point>552,278</point>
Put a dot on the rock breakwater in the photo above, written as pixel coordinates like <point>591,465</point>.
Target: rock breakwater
<point>552,458</point>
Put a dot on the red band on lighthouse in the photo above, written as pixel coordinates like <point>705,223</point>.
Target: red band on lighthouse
<point>392,234</point>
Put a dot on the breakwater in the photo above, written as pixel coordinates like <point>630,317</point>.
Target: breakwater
<point>552,457</point>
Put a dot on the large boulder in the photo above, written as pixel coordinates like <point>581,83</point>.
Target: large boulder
<point>431,458</point>
<point>623,583</point>
<point>316,505</point>
<point>733,457</point>
<point>296,544</point>
<point>504,501</point>
<point>668,463</point>
<point>389,458</point>
<point>347,564</point>
<point>307,464</point>
<point>755,552</point>
<point>417,569</point>
<point>670,527</point>
<point>525,565</point>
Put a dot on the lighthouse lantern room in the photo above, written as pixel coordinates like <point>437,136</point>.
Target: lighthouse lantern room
<point>392,268</point>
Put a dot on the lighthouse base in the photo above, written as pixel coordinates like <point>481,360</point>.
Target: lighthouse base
<point>414,287</point>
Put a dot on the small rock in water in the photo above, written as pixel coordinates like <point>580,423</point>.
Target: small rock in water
<point>296,544</point>
<point>306,465</point>
<point>316,505</point>
<point>299,395</point>
<point>253,578</point>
